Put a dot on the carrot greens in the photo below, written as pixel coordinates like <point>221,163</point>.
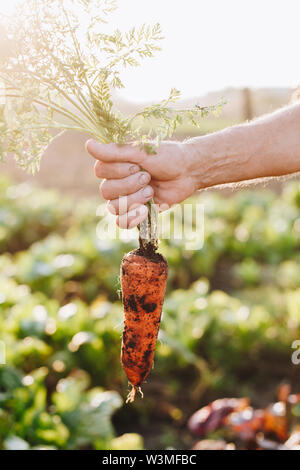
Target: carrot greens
<point>59,71</point>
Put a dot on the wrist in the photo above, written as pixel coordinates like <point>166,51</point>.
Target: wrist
<point>219,158</point>
<point>205,161</point>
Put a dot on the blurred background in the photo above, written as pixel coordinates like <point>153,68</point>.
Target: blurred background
<point>232,309</point>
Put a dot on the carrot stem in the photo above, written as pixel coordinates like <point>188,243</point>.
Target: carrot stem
<point>148,229</point>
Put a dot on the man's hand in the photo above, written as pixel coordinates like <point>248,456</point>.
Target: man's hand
<point>266,147</point>
<point>131,173</point>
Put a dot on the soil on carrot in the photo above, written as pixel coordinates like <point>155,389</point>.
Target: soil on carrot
<point>143,281</point>
<point>149,253</point>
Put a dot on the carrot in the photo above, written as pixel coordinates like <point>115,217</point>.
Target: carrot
<point>143,282</point>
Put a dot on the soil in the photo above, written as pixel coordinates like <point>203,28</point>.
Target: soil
<point>150,254</point>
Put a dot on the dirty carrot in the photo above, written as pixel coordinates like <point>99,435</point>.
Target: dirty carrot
<point>143,275</point>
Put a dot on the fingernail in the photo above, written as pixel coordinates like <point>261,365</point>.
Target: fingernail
<point>134,169</point>
<point>144,178</point>
<point>136,216</point>
<point>148,191</point>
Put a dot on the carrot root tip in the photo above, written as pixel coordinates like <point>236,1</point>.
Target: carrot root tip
<point>132,393</point>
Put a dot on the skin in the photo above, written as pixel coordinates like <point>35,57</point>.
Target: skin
<point>143,286</point>
<point>266,147</point>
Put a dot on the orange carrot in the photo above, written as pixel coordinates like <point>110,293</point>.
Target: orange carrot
<point>143,281</point>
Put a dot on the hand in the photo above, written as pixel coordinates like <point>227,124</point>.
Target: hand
<point>132,177</point>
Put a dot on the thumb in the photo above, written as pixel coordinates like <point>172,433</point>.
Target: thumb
<point>114,152</point>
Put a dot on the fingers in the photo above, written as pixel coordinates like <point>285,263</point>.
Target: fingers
<point>114,188</point>
<point>123,204</point>
<point>120,166</point>
<point>115,153</point>
<point>115,170</point>
<point>133,217</point>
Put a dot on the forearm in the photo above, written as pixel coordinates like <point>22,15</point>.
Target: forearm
<point>269,146</point>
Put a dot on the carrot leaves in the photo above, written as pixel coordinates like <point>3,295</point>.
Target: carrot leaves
<point>59,70</point>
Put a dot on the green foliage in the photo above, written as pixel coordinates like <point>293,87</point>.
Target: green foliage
<point>58,72</point>
<point>231,314</point>
<point>75,419</point>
